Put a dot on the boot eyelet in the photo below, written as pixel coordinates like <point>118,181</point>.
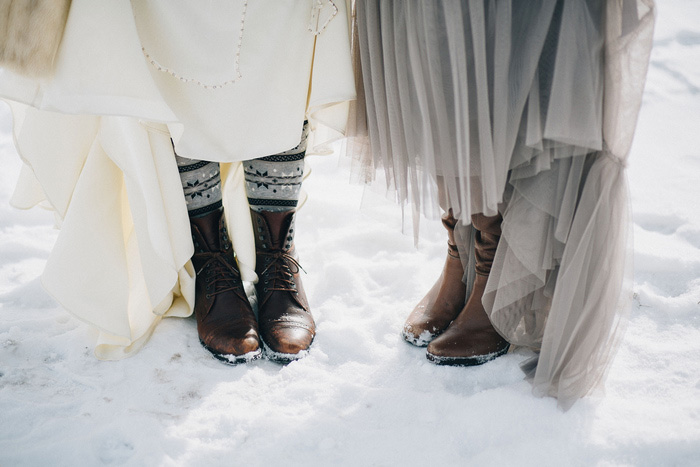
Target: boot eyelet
<point>208,296</point>
<point>264,245</point>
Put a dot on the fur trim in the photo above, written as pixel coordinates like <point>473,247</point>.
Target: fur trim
<point>30,33</point>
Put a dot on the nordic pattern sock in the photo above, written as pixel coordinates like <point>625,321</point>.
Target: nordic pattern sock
<point>273,182</point>
<point>201,183</point>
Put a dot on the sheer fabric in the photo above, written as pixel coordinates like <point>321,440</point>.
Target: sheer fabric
<point>527,108</point>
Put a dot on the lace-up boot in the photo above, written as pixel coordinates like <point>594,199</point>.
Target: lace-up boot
<point>286,325</point>
<point>444,300</point>
<point>225,320</point>
<point>471,338</point>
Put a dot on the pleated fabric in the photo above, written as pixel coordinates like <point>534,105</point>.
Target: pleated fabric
<point>511,106</point>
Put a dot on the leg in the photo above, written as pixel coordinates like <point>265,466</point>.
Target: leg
<point>273,184</point>
<point>471,339</point>
<point>225,320</point>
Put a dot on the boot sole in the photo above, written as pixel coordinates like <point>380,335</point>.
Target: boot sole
<point>283,358</point>
<point>466,361</point>
<point>231,359</point>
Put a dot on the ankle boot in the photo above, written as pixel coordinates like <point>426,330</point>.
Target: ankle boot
<point>225,320</point>
<point>286,325</point>
<point>471,339</point>
<point>444,301</point>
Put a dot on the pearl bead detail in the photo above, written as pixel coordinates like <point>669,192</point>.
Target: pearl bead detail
<point>237,62</point>
<point>316,16</point>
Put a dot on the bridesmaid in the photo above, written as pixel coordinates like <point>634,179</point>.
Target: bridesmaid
<point>515,119</point>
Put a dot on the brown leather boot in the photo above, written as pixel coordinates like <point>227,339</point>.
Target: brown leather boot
<point>444,300</point>
<point>225,320</point>
<point>471,339</point>
<point>286,325</point>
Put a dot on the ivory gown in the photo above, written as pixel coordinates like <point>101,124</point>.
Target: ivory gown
<point>96,139</point>
<point>527,108</point>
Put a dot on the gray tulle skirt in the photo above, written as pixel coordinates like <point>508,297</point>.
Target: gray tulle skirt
<point>482,106</point>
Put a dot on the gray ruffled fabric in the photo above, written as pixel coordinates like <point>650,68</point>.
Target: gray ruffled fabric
<point>500,105</point>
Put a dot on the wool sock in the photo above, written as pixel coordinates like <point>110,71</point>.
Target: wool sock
<point>273,183</point>
<point>201,183</point>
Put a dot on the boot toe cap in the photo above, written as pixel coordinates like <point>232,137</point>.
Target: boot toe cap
<point>453,350</point>
<point>289,338</point>
<point>445,347</point>
<point>233,342</point>
<point>416,335</point>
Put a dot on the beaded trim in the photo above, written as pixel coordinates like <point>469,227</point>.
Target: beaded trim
<point>237,62</point>
<point>319,5</point>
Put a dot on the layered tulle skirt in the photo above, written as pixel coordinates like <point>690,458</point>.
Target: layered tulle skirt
<point>221,81</point>
<point>500,105</point>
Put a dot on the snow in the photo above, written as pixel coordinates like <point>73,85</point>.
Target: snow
<point>363,396</point>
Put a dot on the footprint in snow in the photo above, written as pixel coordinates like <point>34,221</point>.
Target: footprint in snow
<point>115,450</point>
<point>660,223</point>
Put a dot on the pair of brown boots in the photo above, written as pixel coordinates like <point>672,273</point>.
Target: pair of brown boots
<point>457,333</point>
<point>226,323</point>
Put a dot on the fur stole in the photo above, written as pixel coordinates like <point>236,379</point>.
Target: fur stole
<point>30,33</point>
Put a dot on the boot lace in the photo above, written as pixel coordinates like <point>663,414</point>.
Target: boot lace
<point>279,272</point>
<point>220,275</point>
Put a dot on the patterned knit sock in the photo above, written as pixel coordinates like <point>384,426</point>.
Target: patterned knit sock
<point>201,183</point>
<point>273,182</point>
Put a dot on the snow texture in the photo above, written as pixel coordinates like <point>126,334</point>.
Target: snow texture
<point>362,396</point>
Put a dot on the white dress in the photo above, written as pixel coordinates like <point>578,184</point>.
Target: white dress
<point>221,81</point>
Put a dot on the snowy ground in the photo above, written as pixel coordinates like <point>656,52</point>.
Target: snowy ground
<point>363,396</point>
